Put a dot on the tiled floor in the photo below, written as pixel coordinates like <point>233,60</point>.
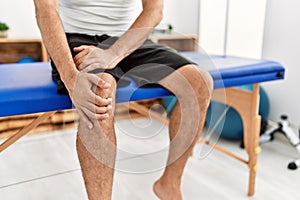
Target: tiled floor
<point>45,167</point>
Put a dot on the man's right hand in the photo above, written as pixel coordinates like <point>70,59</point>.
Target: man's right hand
<point>90,106</point>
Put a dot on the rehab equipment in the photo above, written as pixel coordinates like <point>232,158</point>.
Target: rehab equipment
<point>284,127</point>
<point>233,127</point>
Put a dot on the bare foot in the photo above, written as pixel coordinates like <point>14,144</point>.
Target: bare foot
<point>167,191</point>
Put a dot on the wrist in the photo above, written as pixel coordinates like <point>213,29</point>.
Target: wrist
<point>114,57</point>
<point>69,79</point>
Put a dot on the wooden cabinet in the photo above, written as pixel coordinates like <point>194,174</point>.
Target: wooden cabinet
<point>176,41</point>
<point>12,50</point>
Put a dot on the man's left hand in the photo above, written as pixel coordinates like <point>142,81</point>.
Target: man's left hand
<point>89,58</point>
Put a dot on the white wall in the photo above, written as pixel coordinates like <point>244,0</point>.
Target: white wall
<point>183,15</point>
<point>212,25</point>
<point>20,16</point>
<point>245,27</point>
<point>282,43</point>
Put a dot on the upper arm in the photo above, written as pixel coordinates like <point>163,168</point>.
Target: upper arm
<point>153,8</point>
<point>154,5</point>
<point>41,5</point>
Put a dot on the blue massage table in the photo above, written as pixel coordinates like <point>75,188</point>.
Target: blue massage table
<point>28,88</point>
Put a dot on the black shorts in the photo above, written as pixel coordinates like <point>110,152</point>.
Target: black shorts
<point>147,65</point>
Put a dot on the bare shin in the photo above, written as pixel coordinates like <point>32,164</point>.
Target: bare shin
<point>193,90</point>
<point>96,150</point>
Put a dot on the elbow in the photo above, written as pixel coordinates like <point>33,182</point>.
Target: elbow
<point>156,17</point>
<point>159,16</point>
<point>44,11</point>
<point>153,11</point>
<point>37,15</point>
<point>157,8</point>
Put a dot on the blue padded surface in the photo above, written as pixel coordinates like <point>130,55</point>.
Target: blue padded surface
<point>235,71</point>
<point>28,88</point>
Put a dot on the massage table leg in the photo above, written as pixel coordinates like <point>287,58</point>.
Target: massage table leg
<point>251,134</point>
<point>246,104</point>
<point>25,130</point>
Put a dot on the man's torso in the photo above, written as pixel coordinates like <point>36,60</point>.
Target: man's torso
<point>96,17</point>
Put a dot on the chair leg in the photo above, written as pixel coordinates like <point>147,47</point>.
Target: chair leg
<point>25,130</point>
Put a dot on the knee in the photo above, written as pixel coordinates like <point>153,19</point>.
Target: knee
<point>206,79</point>
<point>200,80</point>
<point>109,92</point>
<point>105,94</point>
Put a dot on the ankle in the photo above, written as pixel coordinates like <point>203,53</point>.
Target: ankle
<point>166,190</point>
<point>168,183</point>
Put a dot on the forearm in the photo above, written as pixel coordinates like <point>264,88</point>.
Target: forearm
<point>56,43</point>
<point>140,30</point>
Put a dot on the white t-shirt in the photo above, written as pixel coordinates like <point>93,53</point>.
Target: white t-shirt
<point>96,17</point>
